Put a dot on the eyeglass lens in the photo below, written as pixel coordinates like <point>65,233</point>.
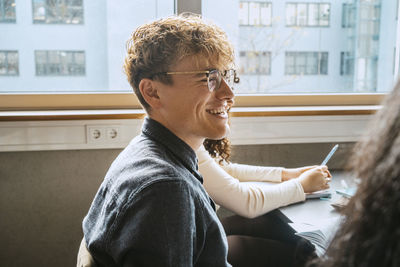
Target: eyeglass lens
<point>215,76</point>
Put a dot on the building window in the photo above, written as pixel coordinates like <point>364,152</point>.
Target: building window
<point>306,63</point>
<point>348,15</point>
<point>9,63</point>
<point>255,14</point>
<point>7,11</point>
<point>255,62</point>
<point>368,67</point>
<point>346,63</point>
<point>308,14</point>
<point>370,15</point>
<point>58,11</point>
<point>60,63</point>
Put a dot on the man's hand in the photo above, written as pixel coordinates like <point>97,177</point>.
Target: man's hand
<point>315,179</point>
<point>292,173</point>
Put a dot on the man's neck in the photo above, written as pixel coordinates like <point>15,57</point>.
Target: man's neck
<point>195,142</point>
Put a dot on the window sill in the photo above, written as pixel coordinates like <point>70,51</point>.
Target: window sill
<point>140,114</point>
<point>128,101</point>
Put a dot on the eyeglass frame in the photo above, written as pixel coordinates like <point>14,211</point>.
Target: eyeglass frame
<point>236,79</point>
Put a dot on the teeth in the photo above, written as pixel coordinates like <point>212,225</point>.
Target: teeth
<point>217,111</point>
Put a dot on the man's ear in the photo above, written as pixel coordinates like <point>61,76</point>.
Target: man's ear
<point>149,92</point>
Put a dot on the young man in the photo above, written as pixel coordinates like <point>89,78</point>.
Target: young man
<point>151,209</point>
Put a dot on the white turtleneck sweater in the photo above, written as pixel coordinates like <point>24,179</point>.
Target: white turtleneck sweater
<point>249,191</point>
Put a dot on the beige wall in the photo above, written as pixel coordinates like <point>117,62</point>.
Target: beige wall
<point>45,195</point>
<point>43,198</point>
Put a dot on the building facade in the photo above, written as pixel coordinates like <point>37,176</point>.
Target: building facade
<point>281,46</point>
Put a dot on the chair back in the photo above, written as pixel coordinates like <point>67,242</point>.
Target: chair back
<point>85,259</point>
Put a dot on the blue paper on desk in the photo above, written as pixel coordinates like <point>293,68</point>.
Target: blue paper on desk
<point>319,194</point>
<point>347,192</point>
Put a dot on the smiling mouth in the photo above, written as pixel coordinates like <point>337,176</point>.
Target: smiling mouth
<point>219,111</point>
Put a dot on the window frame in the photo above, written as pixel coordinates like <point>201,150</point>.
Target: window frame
<point>259,56</point>
<point>305,55</point>
<point>127,100</point>
<point>63,21</point>
<point>347,15</point>
<point>260,24</point>
<point>307,25</point>
<point>58,54</point>
<point>3,18</point>
<point>7,63</point>
<point>346,59</point>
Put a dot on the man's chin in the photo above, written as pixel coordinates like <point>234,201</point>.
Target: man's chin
<point>221,134</point>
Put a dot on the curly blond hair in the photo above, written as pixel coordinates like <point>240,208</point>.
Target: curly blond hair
<point>154,47</point>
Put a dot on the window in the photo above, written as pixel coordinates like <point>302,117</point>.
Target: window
<point>368,67</point>
<point>255,13</point>
<point>308,14</point>
<point>255,62</point>
<point>101,29</point>
<point>346,63</point>
<point>7,11</point>
<point>304,48</point>
<point>348,15</point>
<point>92,53</point>
<point>60,63</point>
<point>58,11</point>
<point>306,63</point>
<point>9,63</point>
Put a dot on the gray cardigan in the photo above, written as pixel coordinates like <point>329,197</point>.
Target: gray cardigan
<point>152,210</point>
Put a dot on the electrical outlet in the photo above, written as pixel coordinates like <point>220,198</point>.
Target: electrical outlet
<point>113,133</point>
<point>95,134</point>
<point>103,134</point>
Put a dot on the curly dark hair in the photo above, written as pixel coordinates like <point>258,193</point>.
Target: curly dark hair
<point>370,233</point>
<point>220,149</point>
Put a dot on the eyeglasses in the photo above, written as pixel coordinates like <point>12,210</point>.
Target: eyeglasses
<point>214,77</point>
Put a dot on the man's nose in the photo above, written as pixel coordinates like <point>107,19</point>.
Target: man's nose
<point>224,91</point>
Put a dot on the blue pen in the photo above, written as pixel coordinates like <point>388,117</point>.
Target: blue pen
<point>330,155</point>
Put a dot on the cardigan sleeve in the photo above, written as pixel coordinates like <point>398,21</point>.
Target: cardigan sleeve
<point>249,173</point>
<point>248,196</point>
